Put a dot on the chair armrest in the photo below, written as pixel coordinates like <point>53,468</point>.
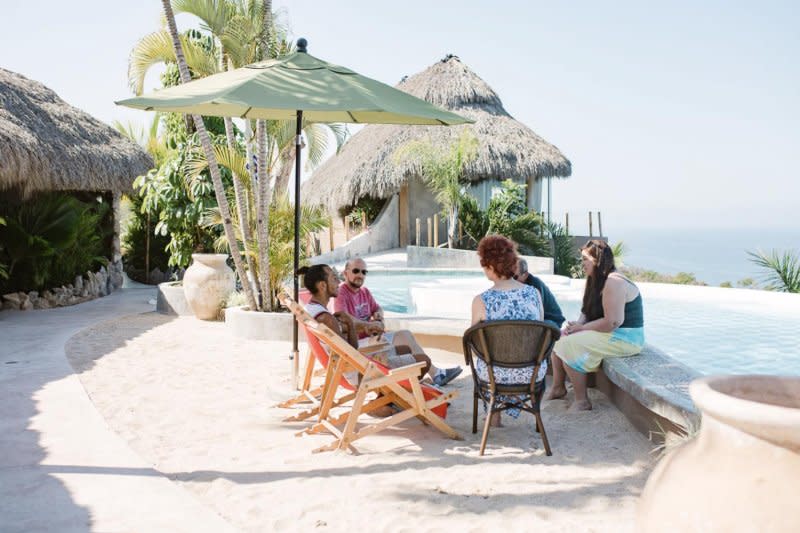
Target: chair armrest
<point>372,348</point>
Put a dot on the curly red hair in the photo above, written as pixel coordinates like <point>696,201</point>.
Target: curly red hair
<point>500,254</point>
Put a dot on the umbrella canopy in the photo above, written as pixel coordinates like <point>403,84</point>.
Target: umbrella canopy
<point>278,88</point>
<point>299,87</point>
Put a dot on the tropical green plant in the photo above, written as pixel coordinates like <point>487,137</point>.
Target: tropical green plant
<point>443,172</point>
<point>619,250</point>
<point>214,170</point>
<point>782,269</point>
<point>3,267</point>
<point>50,239</point>
<point>747,283</point>
<point>238,32</point>
<point>651,276</point>
<point>178,203</point>
<point>507,214</point>
<point>281,239</point>
<point>366,207</point>
<point>142,249</point>
<point>566,259</point>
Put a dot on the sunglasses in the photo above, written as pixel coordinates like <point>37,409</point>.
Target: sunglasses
<point>359,271</point>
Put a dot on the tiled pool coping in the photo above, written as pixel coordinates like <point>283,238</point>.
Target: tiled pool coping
<point>654,380</point>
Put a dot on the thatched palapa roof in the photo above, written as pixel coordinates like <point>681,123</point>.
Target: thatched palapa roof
<point>366,165</point>
<point>47,144</point>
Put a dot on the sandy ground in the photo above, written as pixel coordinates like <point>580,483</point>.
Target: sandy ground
<point>198,405</point>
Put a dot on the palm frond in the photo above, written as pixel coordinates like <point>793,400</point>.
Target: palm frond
<point>234,160</point>
<point>213,14</point>
<point>782,269</point>
<point>156,48</point>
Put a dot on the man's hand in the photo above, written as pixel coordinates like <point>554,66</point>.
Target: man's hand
<point>374,327</point>
<point>346,321</point>
<point>348,326</point>
<point>377,315</point>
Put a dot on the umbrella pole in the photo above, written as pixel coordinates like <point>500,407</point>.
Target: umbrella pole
<point>295,357</point>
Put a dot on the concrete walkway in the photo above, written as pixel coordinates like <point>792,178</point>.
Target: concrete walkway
<point>61,467</point>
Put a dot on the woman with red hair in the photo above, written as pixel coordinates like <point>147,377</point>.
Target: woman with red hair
<point>507,299</point>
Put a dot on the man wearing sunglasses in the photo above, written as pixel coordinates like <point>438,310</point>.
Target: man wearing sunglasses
<point>355,299</point>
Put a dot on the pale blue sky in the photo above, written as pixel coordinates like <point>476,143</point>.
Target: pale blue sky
<point>672,113</point>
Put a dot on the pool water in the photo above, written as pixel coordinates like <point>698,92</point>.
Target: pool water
<point>711,330</point>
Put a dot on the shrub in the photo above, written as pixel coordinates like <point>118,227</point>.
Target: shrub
<point>47,240</point>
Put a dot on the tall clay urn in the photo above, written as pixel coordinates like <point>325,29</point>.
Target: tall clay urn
<point>742,471</point>
<point>206,284</point>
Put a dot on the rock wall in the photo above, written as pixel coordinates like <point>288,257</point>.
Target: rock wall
<point>87,287</point>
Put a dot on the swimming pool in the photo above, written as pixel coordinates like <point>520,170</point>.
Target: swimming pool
<point>712,330</point>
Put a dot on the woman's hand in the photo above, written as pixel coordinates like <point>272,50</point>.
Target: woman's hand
<point>572,327</point>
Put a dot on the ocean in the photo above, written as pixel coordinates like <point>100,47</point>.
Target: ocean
<point>712,255</point>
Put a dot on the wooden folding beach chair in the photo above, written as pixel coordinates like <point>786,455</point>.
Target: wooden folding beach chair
<point>316,354</point>
<point>399,386</point>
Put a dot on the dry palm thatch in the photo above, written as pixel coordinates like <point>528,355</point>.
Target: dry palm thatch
<point>47,144</point>
<point>366,165</point>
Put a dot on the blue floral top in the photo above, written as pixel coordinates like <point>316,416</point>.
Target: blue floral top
<point>517,304</point>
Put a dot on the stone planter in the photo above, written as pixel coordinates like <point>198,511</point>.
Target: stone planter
<point>171,299</point>
<point>246,324</point>
<point>207,283</point>
<point>741,472</point>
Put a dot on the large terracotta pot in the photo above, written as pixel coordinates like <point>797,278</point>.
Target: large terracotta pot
<point>742,471</point>
<point>206,284</point>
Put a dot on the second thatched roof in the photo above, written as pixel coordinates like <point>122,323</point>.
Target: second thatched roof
<point>366,165</point>
<point>47,144</point>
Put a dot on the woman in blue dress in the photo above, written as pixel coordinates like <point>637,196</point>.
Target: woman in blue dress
<point>507,299</point>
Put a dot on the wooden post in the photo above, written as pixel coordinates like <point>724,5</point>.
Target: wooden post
<point>418,234</point>
<point>599,224</point>
<point>346,229</point>
<point>435,230</point>
<point>330,232</point>
<point>363,221</point>
<point>566,222</point>
<point>430,232</point>
<point>590,225</point>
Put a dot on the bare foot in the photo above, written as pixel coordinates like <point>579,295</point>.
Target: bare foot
<point>555,393</point>
<point>580,405</point>
<point>495,422</point>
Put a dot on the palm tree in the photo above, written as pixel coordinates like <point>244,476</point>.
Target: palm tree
<point>443,172</point>
<point>216,179</point>
<point>783,270</point>
<point>243,32</point>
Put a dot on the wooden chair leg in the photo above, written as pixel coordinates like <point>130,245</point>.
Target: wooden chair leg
<point>474,413</point>
<point>544,434</point>
<point>310,359</point>
<point>486,424</point>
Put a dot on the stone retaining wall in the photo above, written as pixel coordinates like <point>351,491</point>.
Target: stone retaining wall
<point>84,288</point>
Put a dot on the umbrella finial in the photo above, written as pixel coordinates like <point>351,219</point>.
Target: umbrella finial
<point>302,45</point>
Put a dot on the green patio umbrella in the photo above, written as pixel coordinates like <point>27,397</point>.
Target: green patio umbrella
<point>298,86</point>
